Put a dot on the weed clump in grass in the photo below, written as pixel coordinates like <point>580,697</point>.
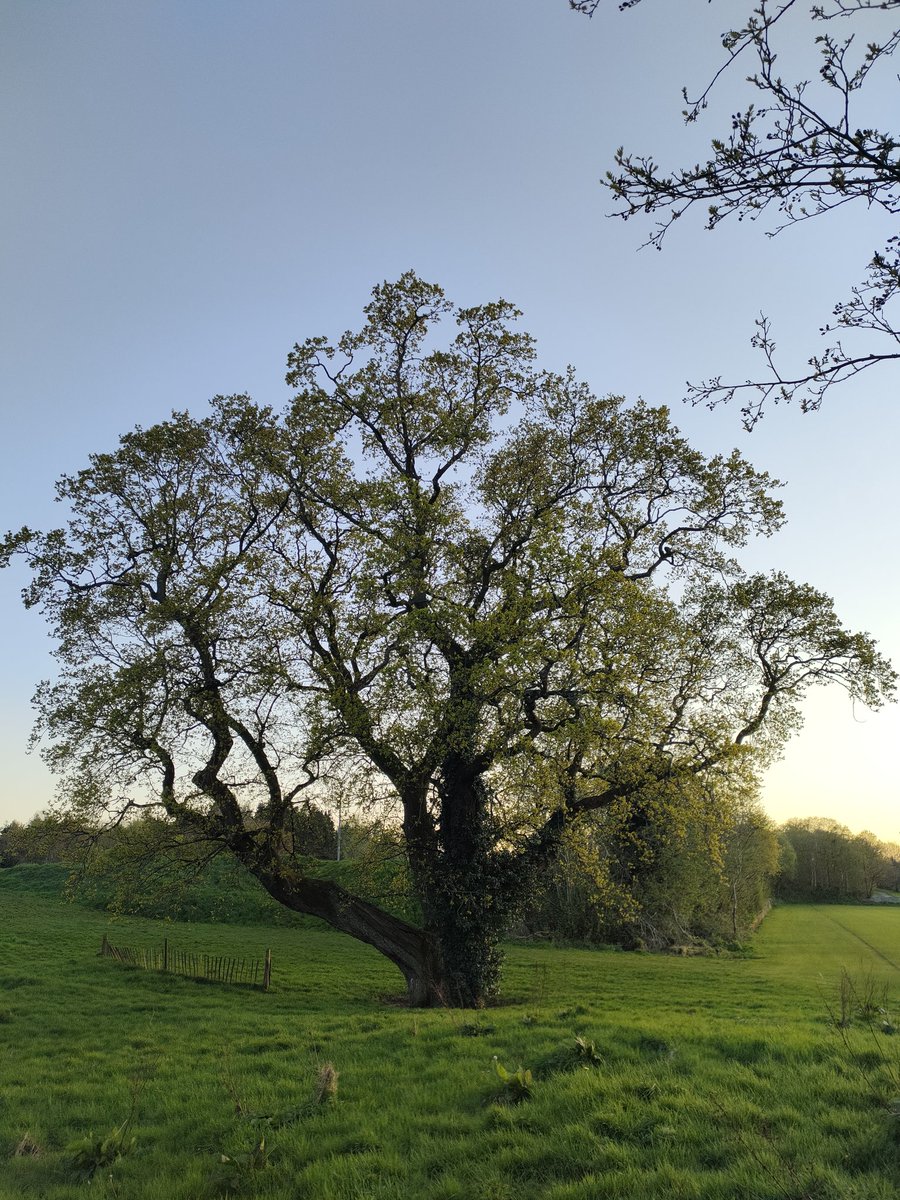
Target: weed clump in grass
<point>586,1053</point>
<point>91,1154</point>
<point>27,1147</point>
<point>580,1053</point>
<point>326,1084</point>
<point>865,998</point>
<point>515,1086</point>
<point>240,1165</point>
<point>475,1029</point>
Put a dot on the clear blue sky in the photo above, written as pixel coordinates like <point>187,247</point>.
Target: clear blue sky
<point>189,188</point>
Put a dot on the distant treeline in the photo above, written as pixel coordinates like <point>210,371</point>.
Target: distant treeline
<point>713,883</point>
<point>825,861</point>
<point>645,878</point>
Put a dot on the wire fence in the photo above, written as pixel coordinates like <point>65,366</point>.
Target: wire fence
<point>219,968</point>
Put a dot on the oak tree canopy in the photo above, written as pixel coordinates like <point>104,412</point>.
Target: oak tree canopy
<point>511,601</point>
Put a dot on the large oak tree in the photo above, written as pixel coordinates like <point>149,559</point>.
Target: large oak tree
<point>513,601</point>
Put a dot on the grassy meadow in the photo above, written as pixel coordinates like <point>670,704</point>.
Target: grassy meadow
<point>716,1077</point>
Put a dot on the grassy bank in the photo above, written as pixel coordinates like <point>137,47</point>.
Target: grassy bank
<point>716,1077</point>
<point>221,892</point>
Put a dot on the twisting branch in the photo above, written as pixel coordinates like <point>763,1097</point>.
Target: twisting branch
<point>798,149</point>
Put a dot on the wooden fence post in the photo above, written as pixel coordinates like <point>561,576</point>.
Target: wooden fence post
<point>267,971</point>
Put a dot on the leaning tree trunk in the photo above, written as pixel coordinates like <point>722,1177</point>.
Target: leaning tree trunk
<point>468,891</point>
<point>453,962</point>
<point>414,951</point>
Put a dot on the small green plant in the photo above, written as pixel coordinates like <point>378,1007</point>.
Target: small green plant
<point>515,1086</point>
<point>91,1154</point>
<point>868,996</point>
<point>586,1053</point>
<point>864,999</point>
<point>475,1029</point>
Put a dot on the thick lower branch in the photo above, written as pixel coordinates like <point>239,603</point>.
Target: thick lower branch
<point>409,948</point>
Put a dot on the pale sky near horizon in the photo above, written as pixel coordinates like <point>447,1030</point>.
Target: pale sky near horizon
<point>191,186</point>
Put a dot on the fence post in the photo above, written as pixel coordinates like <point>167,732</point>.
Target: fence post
<point>165,954</point>
<point>104,948</point>
<point>267,971</point>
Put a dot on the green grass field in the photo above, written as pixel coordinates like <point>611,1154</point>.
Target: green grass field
<point>718,1077</point>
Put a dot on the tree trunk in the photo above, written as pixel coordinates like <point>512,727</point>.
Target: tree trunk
<point>414,951</point>
<point>468,891</point>
<point>467,887</point>
<point>454,962</point>
<point>469,958</point>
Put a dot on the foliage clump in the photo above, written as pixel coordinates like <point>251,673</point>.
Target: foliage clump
<point>515,1086</point>
<point>586,1053</point>
<point>91,1154</point>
